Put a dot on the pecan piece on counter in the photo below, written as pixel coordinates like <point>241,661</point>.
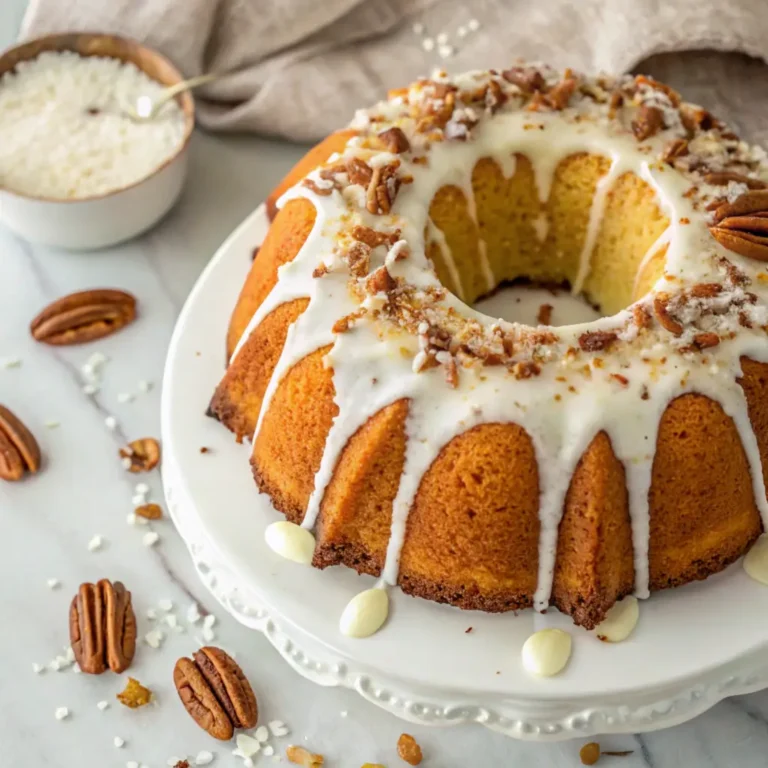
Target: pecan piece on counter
<point>102,627</point>
<point>143,454</point>
<point>134,695</point>
<point>303,757</point>
<point>19,451</point>
<point>215,692</point>
<point>408,749</point>
<point>84,316</point>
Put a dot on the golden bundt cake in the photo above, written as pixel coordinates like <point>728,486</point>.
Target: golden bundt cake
<point>489,464</point>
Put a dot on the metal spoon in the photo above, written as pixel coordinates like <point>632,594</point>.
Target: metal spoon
<point>146,108</point>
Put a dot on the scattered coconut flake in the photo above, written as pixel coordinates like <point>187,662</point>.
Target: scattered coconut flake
<point>102,705</point>
<point>193,613</point>
<point>428,44</point>
<point>61,713</point>
<point>247,745</point>
<point>38,669</point>
<point>132,764</point>
<point>154,638</point>
<point>268,750</point>
<point>151,614</point>
<point>441,39</point>
<point>208,635</point>
<point>10,362</point>
<point>145,386</point>
<point>131,518</point>
<point>204,758</point>
<point>261,733</point>
<point>418,28</point>
<point>124,397</point>
<point>52,424</point>
<point>118,742</point>
<point>473,25</point>
<point>53,583</point>
<point>209,620</point>
<point>150,538</point>
<point>461,31</point>
<point>165,604</point>
<point>138,499</point>
<point>95,543</point>
<point>126,462</point>
<point>110,422</point>
<point>278,728</point>
<point>90,389</point>
<point>141,488</point>
<point>171,620</point>
<point>76,669</point>
<point>445,51</point>
<point>343,713</point>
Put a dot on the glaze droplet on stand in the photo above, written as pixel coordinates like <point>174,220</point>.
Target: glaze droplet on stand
<point>756,560</point>
<point>291,541</point>
<point>620,621</point>
<point>365,613</point>
<point>546,652</point>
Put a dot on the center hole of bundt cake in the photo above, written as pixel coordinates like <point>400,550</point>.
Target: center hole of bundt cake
<point>598,231</point>
<point>534,304</point>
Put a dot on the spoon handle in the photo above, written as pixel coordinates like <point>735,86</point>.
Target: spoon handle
<point>184,85</point>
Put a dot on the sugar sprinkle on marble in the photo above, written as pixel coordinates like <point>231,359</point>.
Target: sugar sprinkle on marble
<point>204,758</point>
<point>118,742</point>
<point>102,705</point>
<point>95,543</point>
<point>150,538</point>
<point>193,613</point>
<point>110,422</point>
<point>61,713</point>
<point>53,583</point>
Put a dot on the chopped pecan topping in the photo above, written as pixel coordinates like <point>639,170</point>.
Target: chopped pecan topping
<point>395,140</point>
<point>544,316</point>
<point>358,258</point>
<point>312,184</point>
<point>676,148</point>
<point>671,93</point>
<point>527,79</point>
<point>595,341</point>
<point>382,189</point>
<point>648,122</point>
<point>372,238</point>
<point>320,271</point>
<point>560,94</point>
<point>705,290</point>
<point>661,307</point>
<point>705,340</point>
<point>615,103</point>
<point>641,316</point>
<point>359,171</point>
<point>623,380</point>
<point>723,178</point>
<point>525,370</point>
<point>451,373</point>
<point>696,118</point>
<point>380,281</point>
<point>736,277</point>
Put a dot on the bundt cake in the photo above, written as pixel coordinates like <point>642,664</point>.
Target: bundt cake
<point>489,464</point>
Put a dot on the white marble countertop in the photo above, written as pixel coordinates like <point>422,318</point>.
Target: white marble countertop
<point>48,520</point>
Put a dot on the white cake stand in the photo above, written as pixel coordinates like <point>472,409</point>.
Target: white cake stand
<point>693,646</point>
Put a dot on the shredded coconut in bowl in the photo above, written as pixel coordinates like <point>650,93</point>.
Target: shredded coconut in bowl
<point>63,133</point>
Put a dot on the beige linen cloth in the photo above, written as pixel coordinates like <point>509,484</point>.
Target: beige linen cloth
<point>299,68</point>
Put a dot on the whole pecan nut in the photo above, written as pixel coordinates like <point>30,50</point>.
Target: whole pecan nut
<point>215,692</point>
<point>143,454</point>
<point>19,452</point>
<point>84,316</point>
<point>102,627</point>
<point>745,234</point>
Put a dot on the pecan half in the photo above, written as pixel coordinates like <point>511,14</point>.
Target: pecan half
<point>676,148</point>
<point>19,452</point>
<point>144,454</point>
<point>102,627</point>
<point>84,316</point>
<point>215,692</point>
<point>754,201</point>
<point>527,79</point>
<point>648,122</point>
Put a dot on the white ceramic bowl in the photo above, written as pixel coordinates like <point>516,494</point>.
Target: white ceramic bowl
<point>101,220</point>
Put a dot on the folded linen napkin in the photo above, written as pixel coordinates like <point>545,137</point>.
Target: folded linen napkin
<point>301,67</point>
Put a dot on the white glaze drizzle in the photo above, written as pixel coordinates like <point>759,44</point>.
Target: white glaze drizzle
<point>482,247</point>
<point>560,431</point>
<point>435,234</point>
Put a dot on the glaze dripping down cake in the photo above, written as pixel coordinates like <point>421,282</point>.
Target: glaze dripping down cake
<point>489,464</point>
